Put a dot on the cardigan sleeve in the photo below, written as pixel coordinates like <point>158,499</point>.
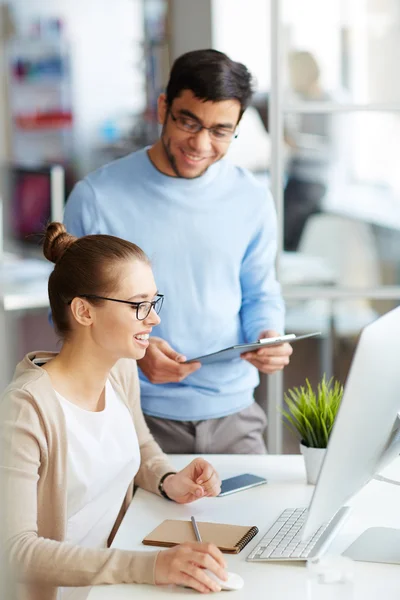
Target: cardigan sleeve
<point>154,463</point>
<point>34,559</point>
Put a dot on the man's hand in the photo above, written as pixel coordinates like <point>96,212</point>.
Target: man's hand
<point>195,481</point>
<point>272,359</point>
<point>162,364</point>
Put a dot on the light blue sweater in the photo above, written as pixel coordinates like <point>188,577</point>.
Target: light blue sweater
<point>212,243</point>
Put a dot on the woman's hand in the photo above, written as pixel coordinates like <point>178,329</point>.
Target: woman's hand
<point>185,564</point>
<point>195,481</point>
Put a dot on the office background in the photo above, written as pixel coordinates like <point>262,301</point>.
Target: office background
<point>78,85</point>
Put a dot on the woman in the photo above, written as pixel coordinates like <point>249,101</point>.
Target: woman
<point>73,437</point>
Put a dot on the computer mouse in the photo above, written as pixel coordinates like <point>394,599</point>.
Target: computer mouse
<point>234,581</point>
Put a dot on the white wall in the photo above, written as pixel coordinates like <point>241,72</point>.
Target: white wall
<point>190,26</point>
<point>106,57</point>
<point>241,29</point>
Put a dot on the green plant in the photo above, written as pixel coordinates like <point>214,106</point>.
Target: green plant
<point>311,415</point>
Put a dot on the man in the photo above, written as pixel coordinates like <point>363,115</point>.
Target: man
<point>210,230</point>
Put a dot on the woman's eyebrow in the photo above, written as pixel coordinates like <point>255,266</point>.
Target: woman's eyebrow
<point>142,296</point>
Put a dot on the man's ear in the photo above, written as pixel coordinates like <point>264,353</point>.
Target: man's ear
<point>82,311</point>
<point>162,108</point>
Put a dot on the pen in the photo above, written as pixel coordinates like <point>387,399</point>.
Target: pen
<point>196,529</point>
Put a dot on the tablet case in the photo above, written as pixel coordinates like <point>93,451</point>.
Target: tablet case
<point>235,351</point>
<point>230,539</point>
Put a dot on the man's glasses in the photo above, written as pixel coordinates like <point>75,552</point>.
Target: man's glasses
<point>189,125</point>
<point>142,308</point>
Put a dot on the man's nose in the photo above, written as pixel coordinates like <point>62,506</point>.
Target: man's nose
<point>201,142</point>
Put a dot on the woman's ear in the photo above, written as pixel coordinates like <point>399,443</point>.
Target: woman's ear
<point>82,311</point>
<point>162,108</point>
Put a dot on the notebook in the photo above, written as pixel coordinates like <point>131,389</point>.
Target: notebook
<point>230,539</point>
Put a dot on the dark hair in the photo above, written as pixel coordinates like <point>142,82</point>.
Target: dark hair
<point>83,265</point>
<point>211,76</point>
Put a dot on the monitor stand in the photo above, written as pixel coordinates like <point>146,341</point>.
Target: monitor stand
<point>381,544</point>
<point>377,544</point>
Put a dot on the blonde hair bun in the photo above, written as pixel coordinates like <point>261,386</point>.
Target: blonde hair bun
<point>56,241</point>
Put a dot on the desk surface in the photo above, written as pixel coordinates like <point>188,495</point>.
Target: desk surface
<point>378,205</point>
<point>368,203</point>
<point>260,506</point>
<point>23,282</point>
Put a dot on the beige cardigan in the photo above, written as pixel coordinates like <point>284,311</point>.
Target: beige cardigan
<point>33,453</point>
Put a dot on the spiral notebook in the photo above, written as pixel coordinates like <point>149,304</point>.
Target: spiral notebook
<point>230,539</point>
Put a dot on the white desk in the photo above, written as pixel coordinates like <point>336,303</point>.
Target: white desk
<point>23,286</point>
<point>366,202</point>
<point>369,203</point>
<point>260,506</point>
<point>23,282</point>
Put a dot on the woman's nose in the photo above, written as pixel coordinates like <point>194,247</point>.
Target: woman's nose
<point>153,318</point>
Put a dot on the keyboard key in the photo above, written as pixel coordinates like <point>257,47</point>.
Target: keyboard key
<point>283,540</point>
<point>273,531</point>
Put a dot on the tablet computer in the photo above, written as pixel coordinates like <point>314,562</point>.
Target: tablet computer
<point>236,351</point>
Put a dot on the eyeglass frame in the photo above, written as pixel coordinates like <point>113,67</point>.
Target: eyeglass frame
<point>153,303</point>
<point>211,130</point>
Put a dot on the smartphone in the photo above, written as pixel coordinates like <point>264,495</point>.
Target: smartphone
<point>240,482</point>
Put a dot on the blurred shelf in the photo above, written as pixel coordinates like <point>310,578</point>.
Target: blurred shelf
<point>44,121</point>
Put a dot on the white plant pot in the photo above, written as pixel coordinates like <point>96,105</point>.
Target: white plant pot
<point>313,459</point>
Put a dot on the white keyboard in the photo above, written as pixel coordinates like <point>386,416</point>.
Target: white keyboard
<point>283,540</point>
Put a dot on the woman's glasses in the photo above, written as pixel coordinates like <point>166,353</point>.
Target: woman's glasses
<point>142,308</point>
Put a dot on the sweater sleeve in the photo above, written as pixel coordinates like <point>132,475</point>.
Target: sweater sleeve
<point>262,302</point>
<point>40,560</point>
<point>80,215</point>
<point>154,463</point>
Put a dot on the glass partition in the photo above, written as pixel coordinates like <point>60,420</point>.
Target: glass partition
<point>355,44</point>
<point>342,199</point>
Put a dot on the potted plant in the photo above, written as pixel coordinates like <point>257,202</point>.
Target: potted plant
<point>311,415</point>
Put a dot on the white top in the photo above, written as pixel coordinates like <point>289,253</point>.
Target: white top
<point>103,458</point>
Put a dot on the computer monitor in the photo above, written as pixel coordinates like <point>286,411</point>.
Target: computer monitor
<point>37,196</point>
<point>366,433</point>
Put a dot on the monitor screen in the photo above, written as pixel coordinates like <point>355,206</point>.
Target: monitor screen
<point>31,203</point>
<point>365,436</point>
<point>37,196</point>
